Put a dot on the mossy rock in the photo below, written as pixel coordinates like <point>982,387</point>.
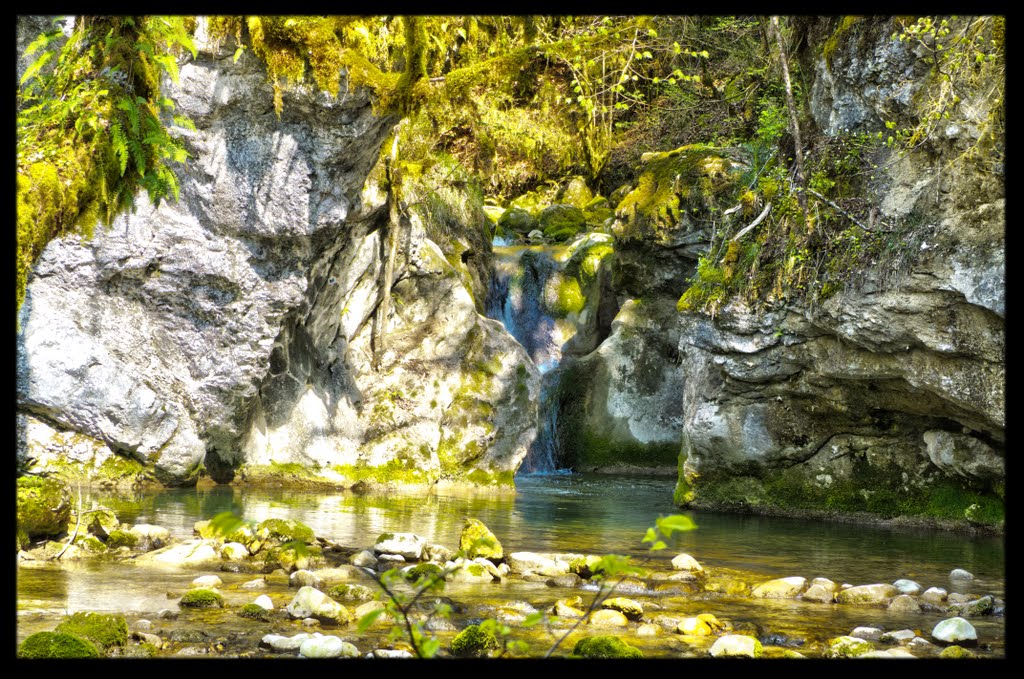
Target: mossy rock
<point>561,219</point>
<point>105,631</point>
<point>690,178</point>
<point>585,566</point>
<point>56,645</point>
<point>956,652</point>
<point>254,612</point>
<point>605,647</point>
<point>201,598</point>
<point>576,193</point>
<point>286,530</point>
<point>423,570</point>
<point>351,592</point>
<point>122,538</point>
<point>473,642</point>
<point>517,220</point>
<point>477,540</point>
<point>43,506</point>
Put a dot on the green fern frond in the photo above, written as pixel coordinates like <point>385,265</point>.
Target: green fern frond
<point>120,145</point>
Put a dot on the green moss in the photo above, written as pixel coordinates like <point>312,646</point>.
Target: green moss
<point>871,490</point>
<point>605,647</point>
<point>399,471</point>
<point>956,652</point>
<point>254,612</point>
<point>348,592</point>
<point>56,645</point>
<point>473,642</point>
<point>122,538</point>
<point>105,631</point>
<point>286,530</point>
<point>428,571</point>
<point>43,506</point>
<point>830,46</point>
<point>201,598</point>
<point>563,296</point>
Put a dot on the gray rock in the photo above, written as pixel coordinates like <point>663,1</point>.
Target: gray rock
<point>304,578</point>
<point>207,581</point>
<point>982,606</point>
<point>960,574</point>
<point>955,631</point>
<point>230,328</point>
<point>934,595</point>
<point>819,594</point>
<point>312,603</point>
<point>365,559</point>
<point>900,636</point>
<point>907,586</point>
<point>282,644</point>
<point>258,583</point>
<point>867,633</point>
<point>878,594</point>
<point>406,545</point>
<point>780,588</point>
<point>327,647</point>
<point>904,603</point>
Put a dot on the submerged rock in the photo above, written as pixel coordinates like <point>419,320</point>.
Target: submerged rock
<point>736,645</point>
<point>780,588</point>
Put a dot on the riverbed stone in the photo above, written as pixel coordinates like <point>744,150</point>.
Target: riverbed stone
<point>819,594</point>
<point>955,652</point>
<point>920,644</point>
<point>907,586</point>
<point>477,540</point>
<point>847,647</point>
<point>876,594</point>
<point>327,646</point>
<point>900,636</point>
<point>630,608</point>
<point>960,574</point>
<point>649,629</point>
<point>904,603</point>
<point>693,626</point>
<point>406,545</point>
<point>282,643</point>
<point>472,570</point>
<point>980,606</point>
<point>234,551</point>
<point>608,618</point>
<point>867,633</point>
<point>207,581</point>
<point>389,653</point>
<point>264,602</point>
<point>187,554</point>
<point>569,608</point>
<point>312,603</point>
<point>521,563</point>
<point>685,562</point>
<point>888,653</point>
<point>955,631</point>
<point>351,592</point>
<point>736,645</point>
<point>150,537</point>
<point>780,588</point>
<point>305,578</point>
<point>567,581</point>
<point>934,595</point>
<point>364,558</point>
<point>367,607</point>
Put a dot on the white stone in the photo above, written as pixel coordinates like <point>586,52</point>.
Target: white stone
<point>732,645</point>
<point>264,602</point>
<point>954,630</point>
<point>207,581</point>
<point>685,562</point>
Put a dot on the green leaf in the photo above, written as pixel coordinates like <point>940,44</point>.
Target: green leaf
<point>36,65</point>
<point>532,619</point>
<point>369,618</point>
<point>650,536</point>
<point>676,522</point>
<point>224,523</point>
<point>238,53</point>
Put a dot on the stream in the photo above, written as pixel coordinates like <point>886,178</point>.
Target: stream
<point>584,513</point>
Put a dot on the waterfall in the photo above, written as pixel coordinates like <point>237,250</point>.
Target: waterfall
<point>516,298</point>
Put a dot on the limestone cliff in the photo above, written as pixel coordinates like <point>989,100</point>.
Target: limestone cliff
<point>231,330</point>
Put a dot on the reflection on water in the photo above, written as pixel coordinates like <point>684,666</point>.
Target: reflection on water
<point>561,512</point>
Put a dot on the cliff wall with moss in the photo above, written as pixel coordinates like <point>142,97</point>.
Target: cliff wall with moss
<point>235,332</point>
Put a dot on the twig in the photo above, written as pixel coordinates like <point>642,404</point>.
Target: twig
<point>78,522</point>
<point>760,218</point>
<point>845,213</point>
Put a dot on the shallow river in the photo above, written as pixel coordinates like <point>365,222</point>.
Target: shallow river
<point>558,512</point>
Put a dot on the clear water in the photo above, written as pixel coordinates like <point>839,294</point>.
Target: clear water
<point>552,512</point>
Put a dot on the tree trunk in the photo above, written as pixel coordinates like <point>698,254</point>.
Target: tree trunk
<point>794,120</point>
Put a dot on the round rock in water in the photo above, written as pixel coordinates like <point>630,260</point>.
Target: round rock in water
<point>960,574</point>
<point>264,602</point>
<point>867,633</point>
<point>207,581</point>
<point>907,586</point>
<point>327,647</point>
<point>955,631</point>
<point>904,603</point>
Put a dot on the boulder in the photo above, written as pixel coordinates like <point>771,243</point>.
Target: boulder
<point>955,631</point>
<point>736,645</point>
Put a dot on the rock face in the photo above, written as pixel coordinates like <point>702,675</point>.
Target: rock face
<point>890,390</point>
<point>234,329</point>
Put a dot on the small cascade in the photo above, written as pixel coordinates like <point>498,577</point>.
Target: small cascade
<point>516,298</point>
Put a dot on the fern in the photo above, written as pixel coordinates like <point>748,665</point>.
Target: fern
<point>120,146</point>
